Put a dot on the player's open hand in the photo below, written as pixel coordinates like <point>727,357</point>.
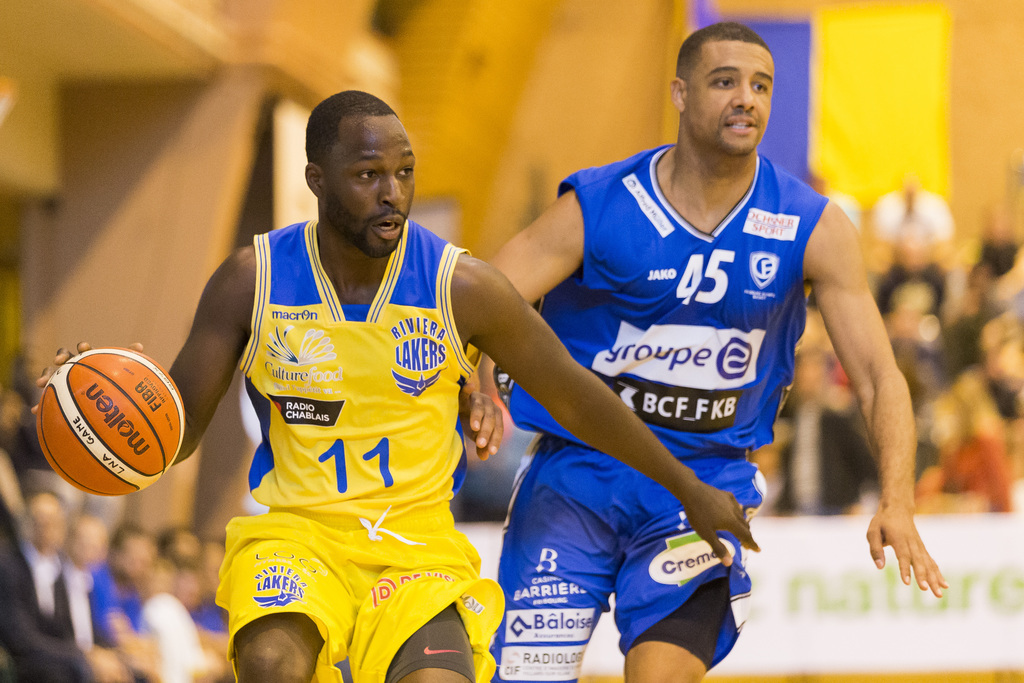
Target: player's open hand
<point>481,421</point>
<point>896,528</point>
<point>709,510</point>
<point>63,356</point>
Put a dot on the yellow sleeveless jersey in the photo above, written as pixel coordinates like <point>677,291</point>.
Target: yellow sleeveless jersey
<point>358,405</point>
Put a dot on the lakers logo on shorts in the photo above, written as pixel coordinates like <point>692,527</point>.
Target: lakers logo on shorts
<point>278,585</point>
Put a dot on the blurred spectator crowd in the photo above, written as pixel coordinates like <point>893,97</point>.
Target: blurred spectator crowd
<point>87,597</point>
<point>954,311</point>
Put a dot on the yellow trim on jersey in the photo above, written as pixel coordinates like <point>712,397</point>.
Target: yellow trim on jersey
<point>260,298</point>
<point>444,304</point>
<point>387,286</point>
<point>323,282</point>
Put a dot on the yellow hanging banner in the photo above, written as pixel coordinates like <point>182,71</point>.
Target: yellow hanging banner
<point>882,101</point>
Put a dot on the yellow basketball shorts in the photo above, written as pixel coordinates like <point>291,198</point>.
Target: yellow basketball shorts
<point>367,596</point>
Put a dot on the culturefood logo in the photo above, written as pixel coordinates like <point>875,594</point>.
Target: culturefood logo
<point>297,367</point>
<point>315,347</point>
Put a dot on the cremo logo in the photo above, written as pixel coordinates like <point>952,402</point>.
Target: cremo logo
<point>686,557</point>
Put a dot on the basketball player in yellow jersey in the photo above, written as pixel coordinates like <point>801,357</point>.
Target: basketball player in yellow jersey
<point>354,333</point>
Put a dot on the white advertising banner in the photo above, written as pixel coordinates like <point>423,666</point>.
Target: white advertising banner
<point>820,606</point>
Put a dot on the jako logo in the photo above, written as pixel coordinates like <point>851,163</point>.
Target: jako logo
<point>115,419</point>
<point>687,556</point>
<point>662,274</point>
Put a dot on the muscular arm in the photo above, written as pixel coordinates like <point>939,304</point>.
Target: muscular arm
<point>549,250</point>
<point>833,266</point>
<point>220,330</point>
<point>491,316</point>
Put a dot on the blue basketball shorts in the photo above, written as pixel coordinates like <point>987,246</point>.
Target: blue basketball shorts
<point>583,526</point>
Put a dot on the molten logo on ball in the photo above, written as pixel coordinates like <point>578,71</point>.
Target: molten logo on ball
<point>110,421</point>
<point>115,419</point>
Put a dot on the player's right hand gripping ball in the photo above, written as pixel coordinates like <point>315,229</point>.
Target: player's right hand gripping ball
<point>110,421</point>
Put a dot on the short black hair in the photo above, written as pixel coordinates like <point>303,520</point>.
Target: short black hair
<point>322,127</point>
<point>691,48</point>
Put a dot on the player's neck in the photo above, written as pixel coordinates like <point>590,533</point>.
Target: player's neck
<point>356,277</point>
<point>702,187</point>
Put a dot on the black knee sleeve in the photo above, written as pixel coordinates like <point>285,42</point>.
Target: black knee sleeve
<point>441,643</point>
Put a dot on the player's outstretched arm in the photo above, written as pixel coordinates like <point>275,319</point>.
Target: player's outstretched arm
<point>203,368</point>
<point>833,266</point>
<point>549,250</point>
<point>220,329</point>
<point>490,315</point>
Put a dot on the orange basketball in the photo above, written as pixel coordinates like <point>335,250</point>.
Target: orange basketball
<point>110,421</point>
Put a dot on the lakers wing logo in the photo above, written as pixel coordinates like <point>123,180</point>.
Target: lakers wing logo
<point>315,347</point>
<point>420,354</point>
<point>415,387</point>
<point>280,585</point>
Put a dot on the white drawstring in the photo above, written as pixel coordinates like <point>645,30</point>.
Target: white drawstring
<point>372,530</point>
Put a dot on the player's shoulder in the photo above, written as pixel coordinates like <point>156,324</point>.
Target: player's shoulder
<point>473,274</point>
<point>235,279</point>
<point>478,283</point>
<point>241,262</point>
<point>592,176</point>
<point>481,296</point>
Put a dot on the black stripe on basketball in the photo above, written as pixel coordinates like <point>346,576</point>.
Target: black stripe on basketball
<point>54,462</point>
<point>131,399</point>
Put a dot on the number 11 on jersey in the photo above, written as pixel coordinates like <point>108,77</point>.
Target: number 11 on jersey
<point>382,451</point>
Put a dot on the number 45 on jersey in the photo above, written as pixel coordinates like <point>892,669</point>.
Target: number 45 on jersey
<point>695,274</point>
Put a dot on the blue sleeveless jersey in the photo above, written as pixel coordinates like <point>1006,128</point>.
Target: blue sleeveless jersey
<point>695,332</point>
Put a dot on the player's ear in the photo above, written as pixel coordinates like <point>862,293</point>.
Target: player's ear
<point>678,89</point>
<point>314,179</point>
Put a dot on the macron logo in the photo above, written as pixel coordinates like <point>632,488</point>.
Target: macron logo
<point>772,226</point>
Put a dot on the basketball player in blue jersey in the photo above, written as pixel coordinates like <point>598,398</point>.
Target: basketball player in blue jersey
<point>355,334</point>
<point>678,277</point>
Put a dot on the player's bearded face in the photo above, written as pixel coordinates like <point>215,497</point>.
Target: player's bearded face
<point>359,230</point>
<point>370,186</point>
<point>729,96</point>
